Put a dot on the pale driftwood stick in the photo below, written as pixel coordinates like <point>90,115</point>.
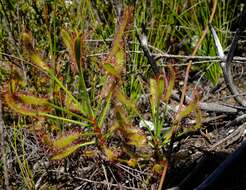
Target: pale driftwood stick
<point>144,45</point>
<point>226,68</point>
<point>187,57</point>
<point>226,61</point>
<point>209,107</point>
<point>163,55</point>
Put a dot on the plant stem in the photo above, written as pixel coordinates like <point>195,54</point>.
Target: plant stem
<point>194,53</point>
<point>2,145</point>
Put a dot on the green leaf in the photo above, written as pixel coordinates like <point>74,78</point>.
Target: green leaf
<point>86,104</point>
<point>187,110</point>
<point>105,111</point>
<point>125,100</point>
<point>111,154</point>
<point>66,152</point>
<point>77,51</point>
<point>132,162</point>
<point>27,41</point>
<point>70,45</point>
<point>64,119</point>
<point>24,104</point>
<point>27,99</point>
<point>157,168</point>
<point>70,150</point>
<point>116,56</point>
<point>18,107</point>
<point>153,95</point>
<point>136,137</point>
<point>111,69</point>
<point>117,48</point>
<point>170,84</point>
<point>66,140</point>
<point>66,39</point>
<point>160,86</point>
<point>39,62</point>
<point>121,117</point>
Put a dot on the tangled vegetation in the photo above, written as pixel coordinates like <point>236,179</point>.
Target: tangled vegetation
<point>77,81</point>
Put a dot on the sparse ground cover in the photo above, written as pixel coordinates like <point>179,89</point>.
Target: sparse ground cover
<point>120,94</point>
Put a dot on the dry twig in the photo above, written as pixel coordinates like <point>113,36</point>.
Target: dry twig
<point>227,60</point>
<point>3,148</point>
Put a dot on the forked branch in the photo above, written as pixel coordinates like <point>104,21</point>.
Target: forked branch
<point>226,60</point>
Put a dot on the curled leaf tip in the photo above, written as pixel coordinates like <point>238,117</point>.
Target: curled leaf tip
<point>27,41</point>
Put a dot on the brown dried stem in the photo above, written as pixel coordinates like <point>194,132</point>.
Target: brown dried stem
<point>194,53</point>
<point>3,152</point>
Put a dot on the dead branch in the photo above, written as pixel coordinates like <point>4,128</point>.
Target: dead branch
<point>144,45</point>
<point>210,107</point>
<point>195,57</point>
<point>3,149</point>
<point>239,119</point>
<point>226,60</point>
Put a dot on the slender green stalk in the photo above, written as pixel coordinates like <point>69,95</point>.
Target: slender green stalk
<point>64,119</point>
